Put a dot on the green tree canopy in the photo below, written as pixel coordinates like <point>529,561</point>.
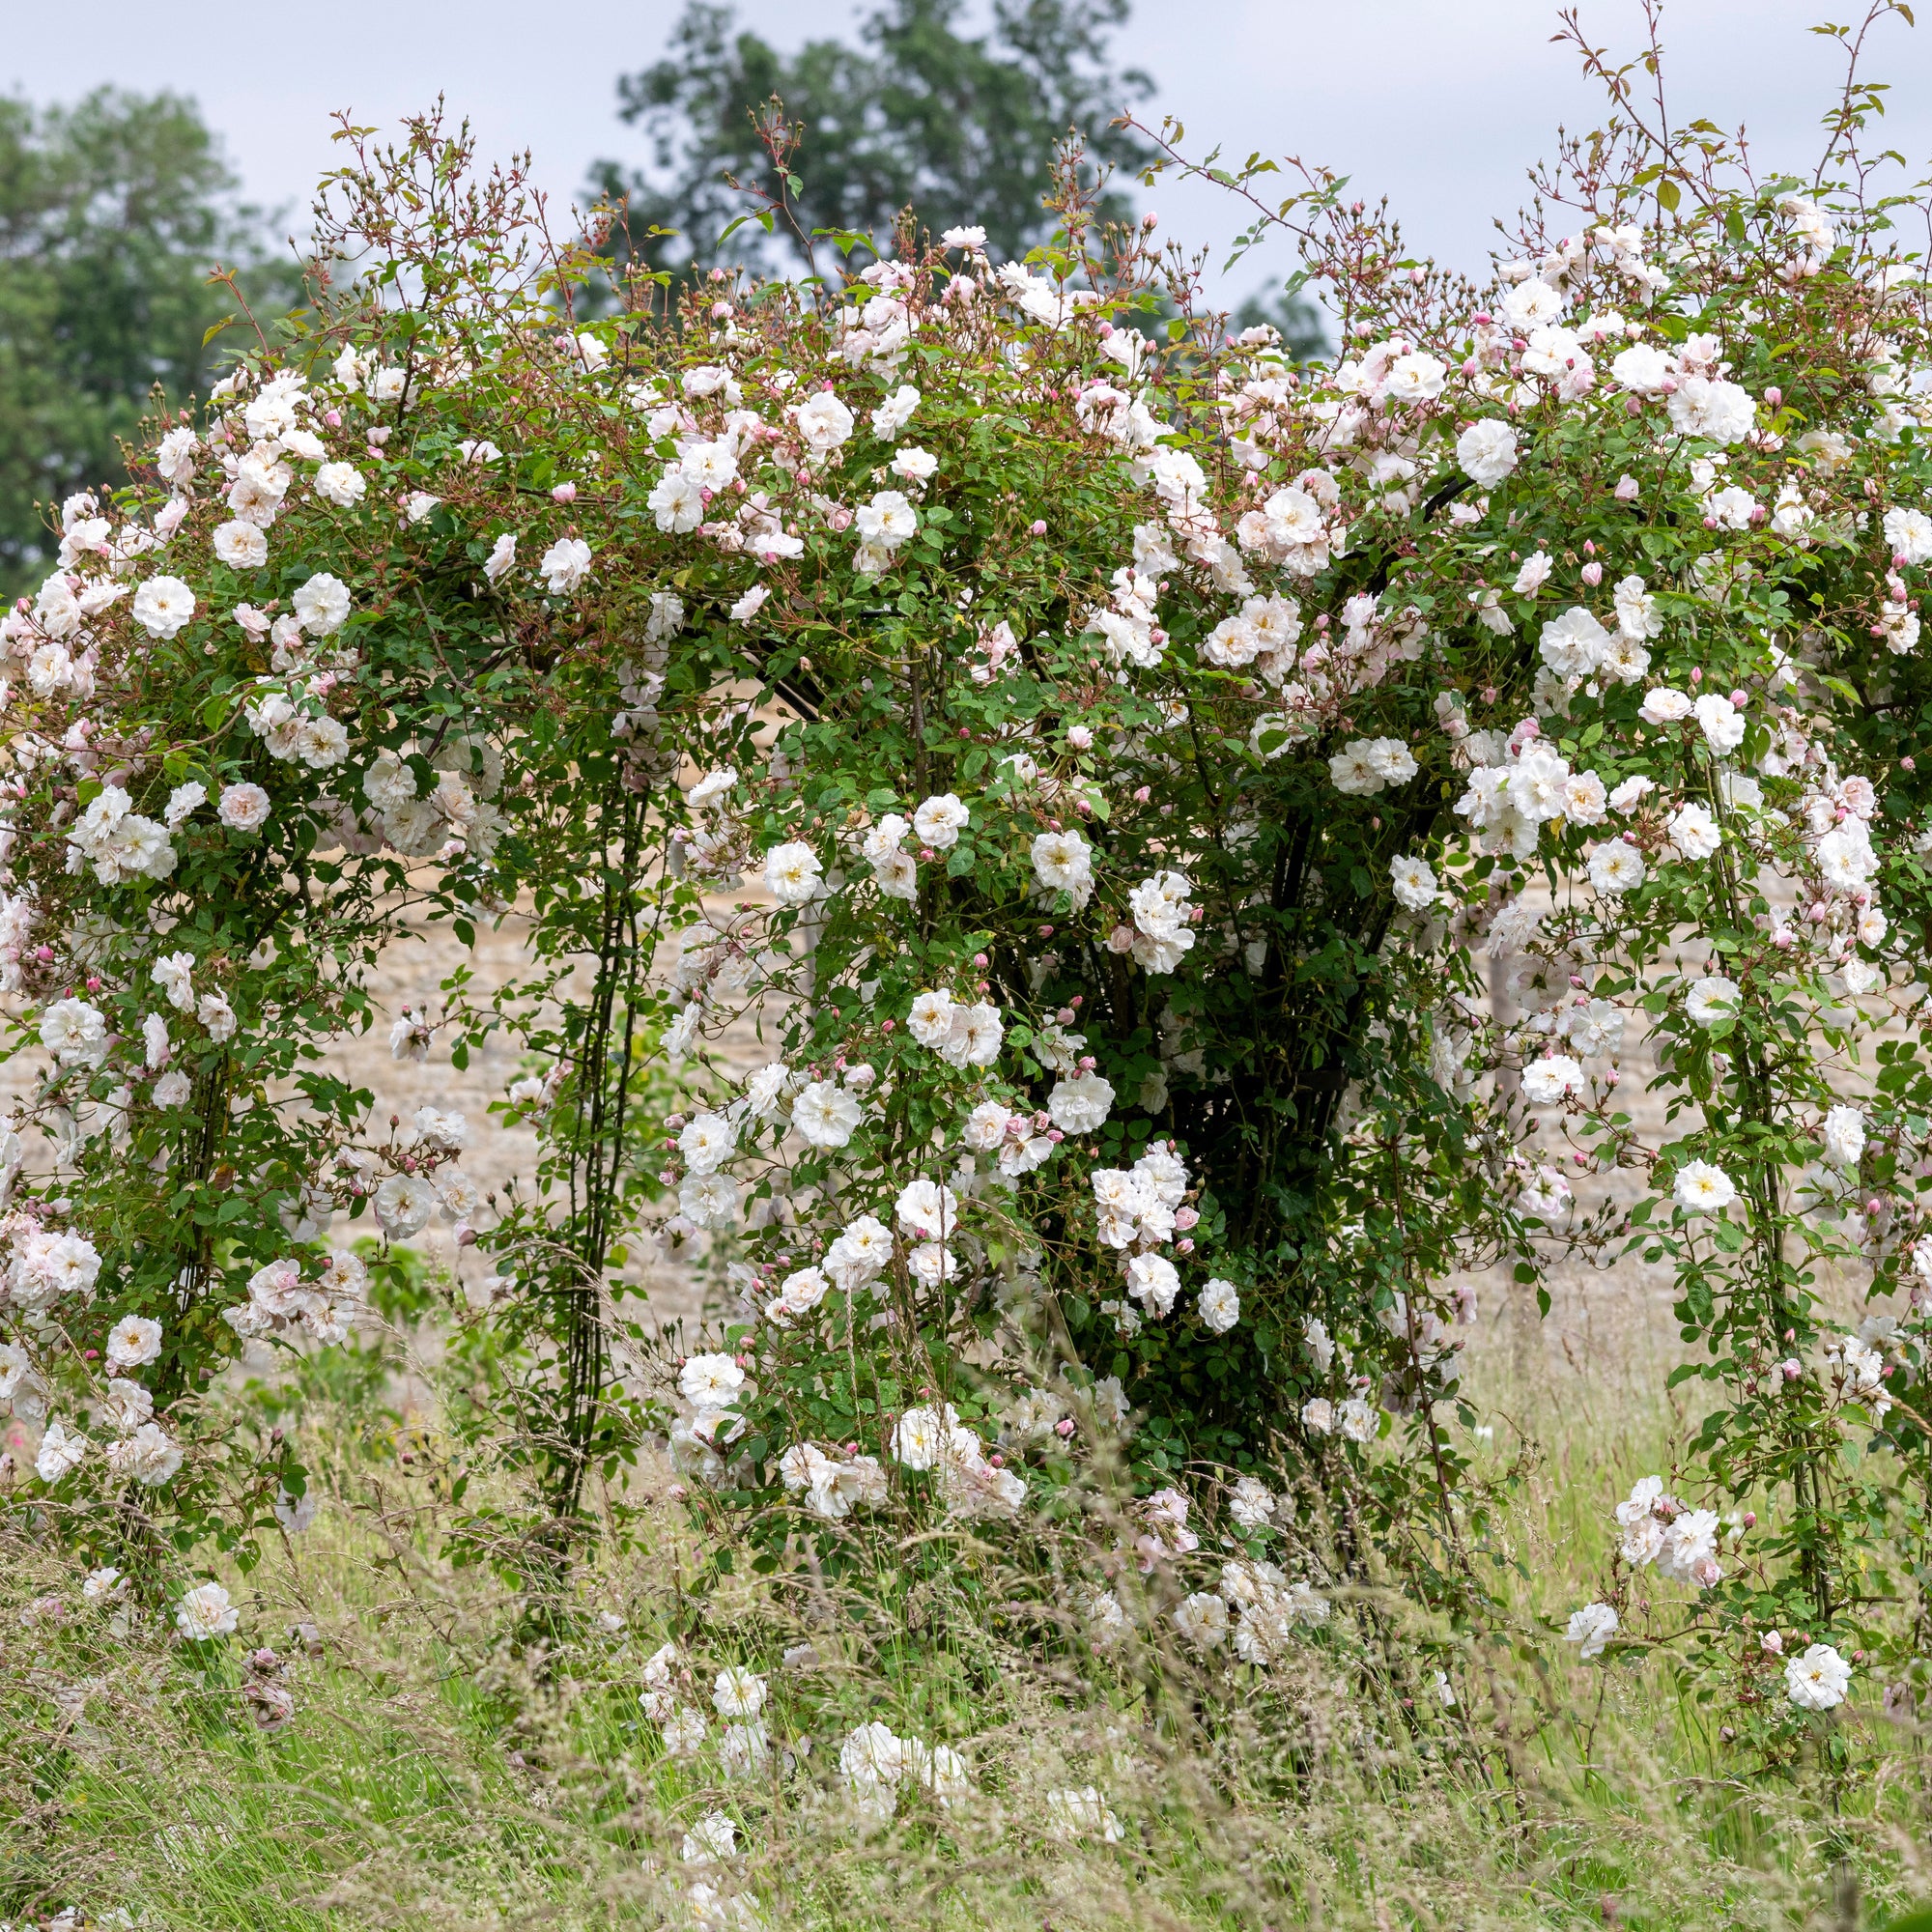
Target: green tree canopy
<point>111,214</point>
<point>959,127</point>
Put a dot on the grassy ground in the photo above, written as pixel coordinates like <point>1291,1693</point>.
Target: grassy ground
<point>448,1764</point>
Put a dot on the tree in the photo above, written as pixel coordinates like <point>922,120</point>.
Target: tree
<point>961,130</point>
<point>111,215</point>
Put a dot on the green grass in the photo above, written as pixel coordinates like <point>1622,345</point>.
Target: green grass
<point>444,1769</point>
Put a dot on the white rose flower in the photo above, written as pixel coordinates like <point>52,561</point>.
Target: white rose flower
<point>710,1381</point>
<point>1063,861</point>
<point>404,1204</point>
<point>1357,1419</point>
<point>243,807</point>
<point>1909,534</point>
<point>163,606</point>
<point>1616,867</point>
<point>1574,644</point>
<point>792,874</point>
<point>930,1020</point>
<point>1818,1679</point>
<point>321,604</point>
<point>1202,1619</point>
<point>919,1437</point>
<point>74,1033</point>
<point>709,1200</point>
<point>1220,1306</point>
<point>133,1340</point>
<point>939,822</point>
<point>823,422</point>
<point>1414,884</point>
<point>565,564</point>
<point>1546,1081</point>
<point>240,546</point>
<point>1487,452</point>
<point>738,1692</point>
<point>205,1612</point>
<point>677,502</point>
<point>1662,706</point>
<point>341,484</point>
<point>1700,1189</point>
<point>706,1142</point>
<point>1642,369</point>
<point>1711,1000</point>
<point>1720,721</point>
<point>61,1451</point>
<point>1591,1628</point>
<point>1080,1105</point>
<point>1695,831</point>
<point>1251,1502</point>
<point>1845,1136</point>
<point>1153,1281</point>
<point>826,1115</point>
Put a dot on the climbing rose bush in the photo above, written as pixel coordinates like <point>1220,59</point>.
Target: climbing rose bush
<point>1108,768</point>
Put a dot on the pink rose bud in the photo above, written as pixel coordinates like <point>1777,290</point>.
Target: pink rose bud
<point>1064,1427</point>
<point>1908,763</point>
<point>887,1026</point>
<point>1697,676</point>
<point>1142,793</point>
<point>565,492</point>
<point>1750,1518</point>
<point>1592,574</point>
<point>1080,738</point>
<point>1774,397</point>
<point>332,417</point>
<point>1038,527</point>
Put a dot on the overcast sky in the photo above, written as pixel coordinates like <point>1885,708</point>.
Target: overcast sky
<point>1441,106</point>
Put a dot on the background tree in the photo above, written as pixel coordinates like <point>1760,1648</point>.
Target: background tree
<point>961,129</point>
<point>111,214</point>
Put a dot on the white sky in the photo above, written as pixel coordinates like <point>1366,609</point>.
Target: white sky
<point>1441,106</point>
